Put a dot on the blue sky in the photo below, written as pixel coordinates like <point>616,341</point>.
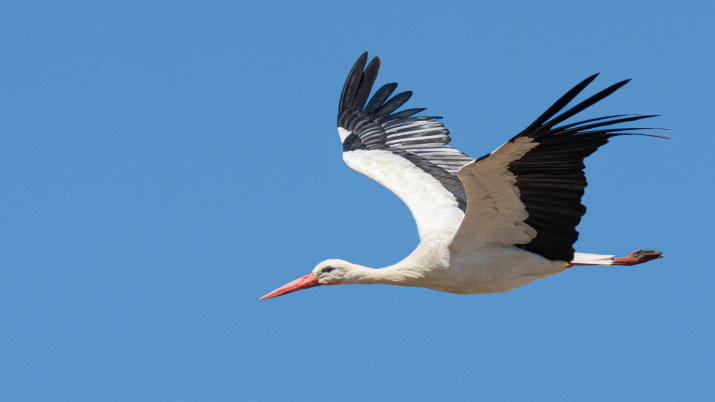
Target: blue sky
<point>167,163</point>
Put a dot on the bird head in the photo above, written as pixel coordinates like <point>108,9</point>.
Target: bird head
<point>328,272</point>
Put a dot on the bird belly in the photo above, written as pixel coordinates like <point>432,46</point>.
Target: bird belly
<point>492,270</point>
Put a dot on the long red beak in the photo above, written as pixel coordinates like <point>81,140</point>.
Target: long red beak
<point>304,282</point>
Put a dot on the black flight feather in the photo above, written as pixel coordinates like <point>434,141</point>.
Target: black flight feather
<point>377,125</point>
<point>550,176</point>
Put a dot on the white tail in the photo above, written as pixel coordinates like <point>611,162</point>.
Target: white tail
<point>592,259</point>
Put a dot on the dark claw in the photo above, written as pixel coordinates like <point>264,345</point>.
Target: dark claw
<point>638,257</point>
<point>645,255</point>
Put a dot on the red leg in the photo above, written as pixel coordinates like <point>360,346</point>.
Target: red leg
<point>638,257</point>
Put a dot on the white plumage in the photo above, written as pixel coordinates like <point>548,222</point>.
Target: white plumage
<point>434,208</point>
<point>485,225</point>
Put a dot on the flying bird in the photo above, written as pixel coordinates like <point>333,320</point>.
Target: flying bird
<point>485,225</point>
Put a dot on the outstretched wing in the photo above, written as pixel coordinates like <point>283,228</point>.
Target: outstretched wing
<point>405,153</point>
<point>527,193</point>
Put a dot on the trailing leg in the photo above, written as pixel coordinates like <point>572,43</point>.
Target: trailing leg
<point>634,258</point>
<point>638,257</point>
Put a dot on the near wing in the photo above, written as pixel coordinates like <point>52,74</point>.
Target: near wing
<point>528,192</point>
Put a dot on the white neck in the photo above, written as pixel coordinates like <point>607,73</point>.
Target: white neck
<point>420,268</point>
<point>393,275</point>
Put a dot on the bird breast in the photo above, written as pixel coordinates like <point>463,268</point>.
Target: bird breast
<point>490,270</point>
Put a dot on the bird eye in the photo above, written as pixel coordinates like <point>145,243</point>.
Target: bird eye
<point>328,270</point>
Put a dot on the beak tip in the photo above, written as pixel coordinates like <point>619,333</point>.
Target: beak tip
<point>306,281</point>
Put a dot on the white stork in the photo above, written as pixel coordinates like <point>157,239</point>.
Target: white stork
<point>486,225</point>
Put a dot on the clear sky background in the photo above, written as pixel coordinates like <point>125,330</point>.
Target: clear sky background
<point>164,164</point>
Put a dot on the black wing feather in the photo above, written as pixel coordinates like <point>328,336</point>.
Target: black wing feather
<point>352,83</point>
<point>550,176</point>
<point>380,97</point>
<point>377,125</point>
<point>395,102</point>
<point>366,82</point>
<point>558,105</point>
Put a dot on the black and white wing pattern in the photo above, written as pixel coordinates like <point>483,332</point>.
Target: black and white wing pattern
<point>527,193</point>
<point>405,153</point>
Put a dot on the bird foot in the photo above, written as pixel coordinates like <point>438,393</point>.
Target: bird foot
<point>638,257</point>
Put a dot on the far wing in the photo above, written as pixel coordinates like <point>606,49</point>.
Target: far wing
<point>405,153</point>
